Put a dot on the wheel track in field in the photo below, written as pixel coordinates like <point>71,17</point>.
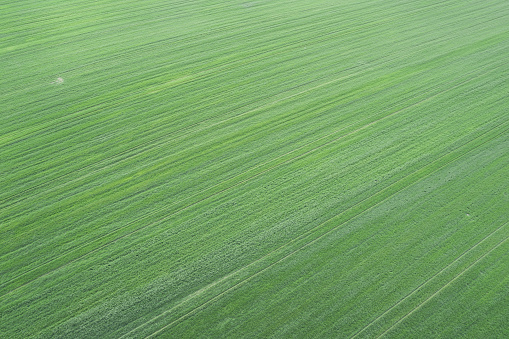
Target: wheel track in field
<point>421,286</point>
<point>195,310</point>
<point>148,142</point>
<point>408,314</point>
<point>310,233</point>
<point>216,193</point>
<point>444,286</point>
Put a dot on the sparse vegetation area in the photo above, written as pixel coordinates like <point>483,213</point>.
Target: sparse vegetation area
<point>254,169</point>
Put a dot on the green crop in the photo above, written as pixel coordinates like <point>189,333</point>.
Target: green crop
<point>254,169</point>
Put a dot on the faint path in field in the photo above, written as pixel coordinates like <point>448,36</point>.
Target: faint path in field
<point>308,234</point>
<point>418,288</point>
<point>443,287</point>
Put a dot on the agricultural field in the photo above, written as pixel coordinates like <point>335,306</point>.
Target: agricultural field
<point>284,168</point>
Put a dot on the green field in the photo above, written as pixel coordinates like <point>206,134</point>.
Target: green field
<point>208,168</point>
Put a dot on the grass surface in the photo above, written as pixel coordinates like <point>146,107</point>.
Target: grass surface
<point>254,169</point>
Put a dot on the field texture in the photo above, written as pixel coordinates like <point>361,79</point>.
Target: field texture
<point>283,168</point>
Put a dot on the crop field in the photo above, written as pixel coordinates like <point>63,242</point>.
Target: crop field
<point>282,168</point>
